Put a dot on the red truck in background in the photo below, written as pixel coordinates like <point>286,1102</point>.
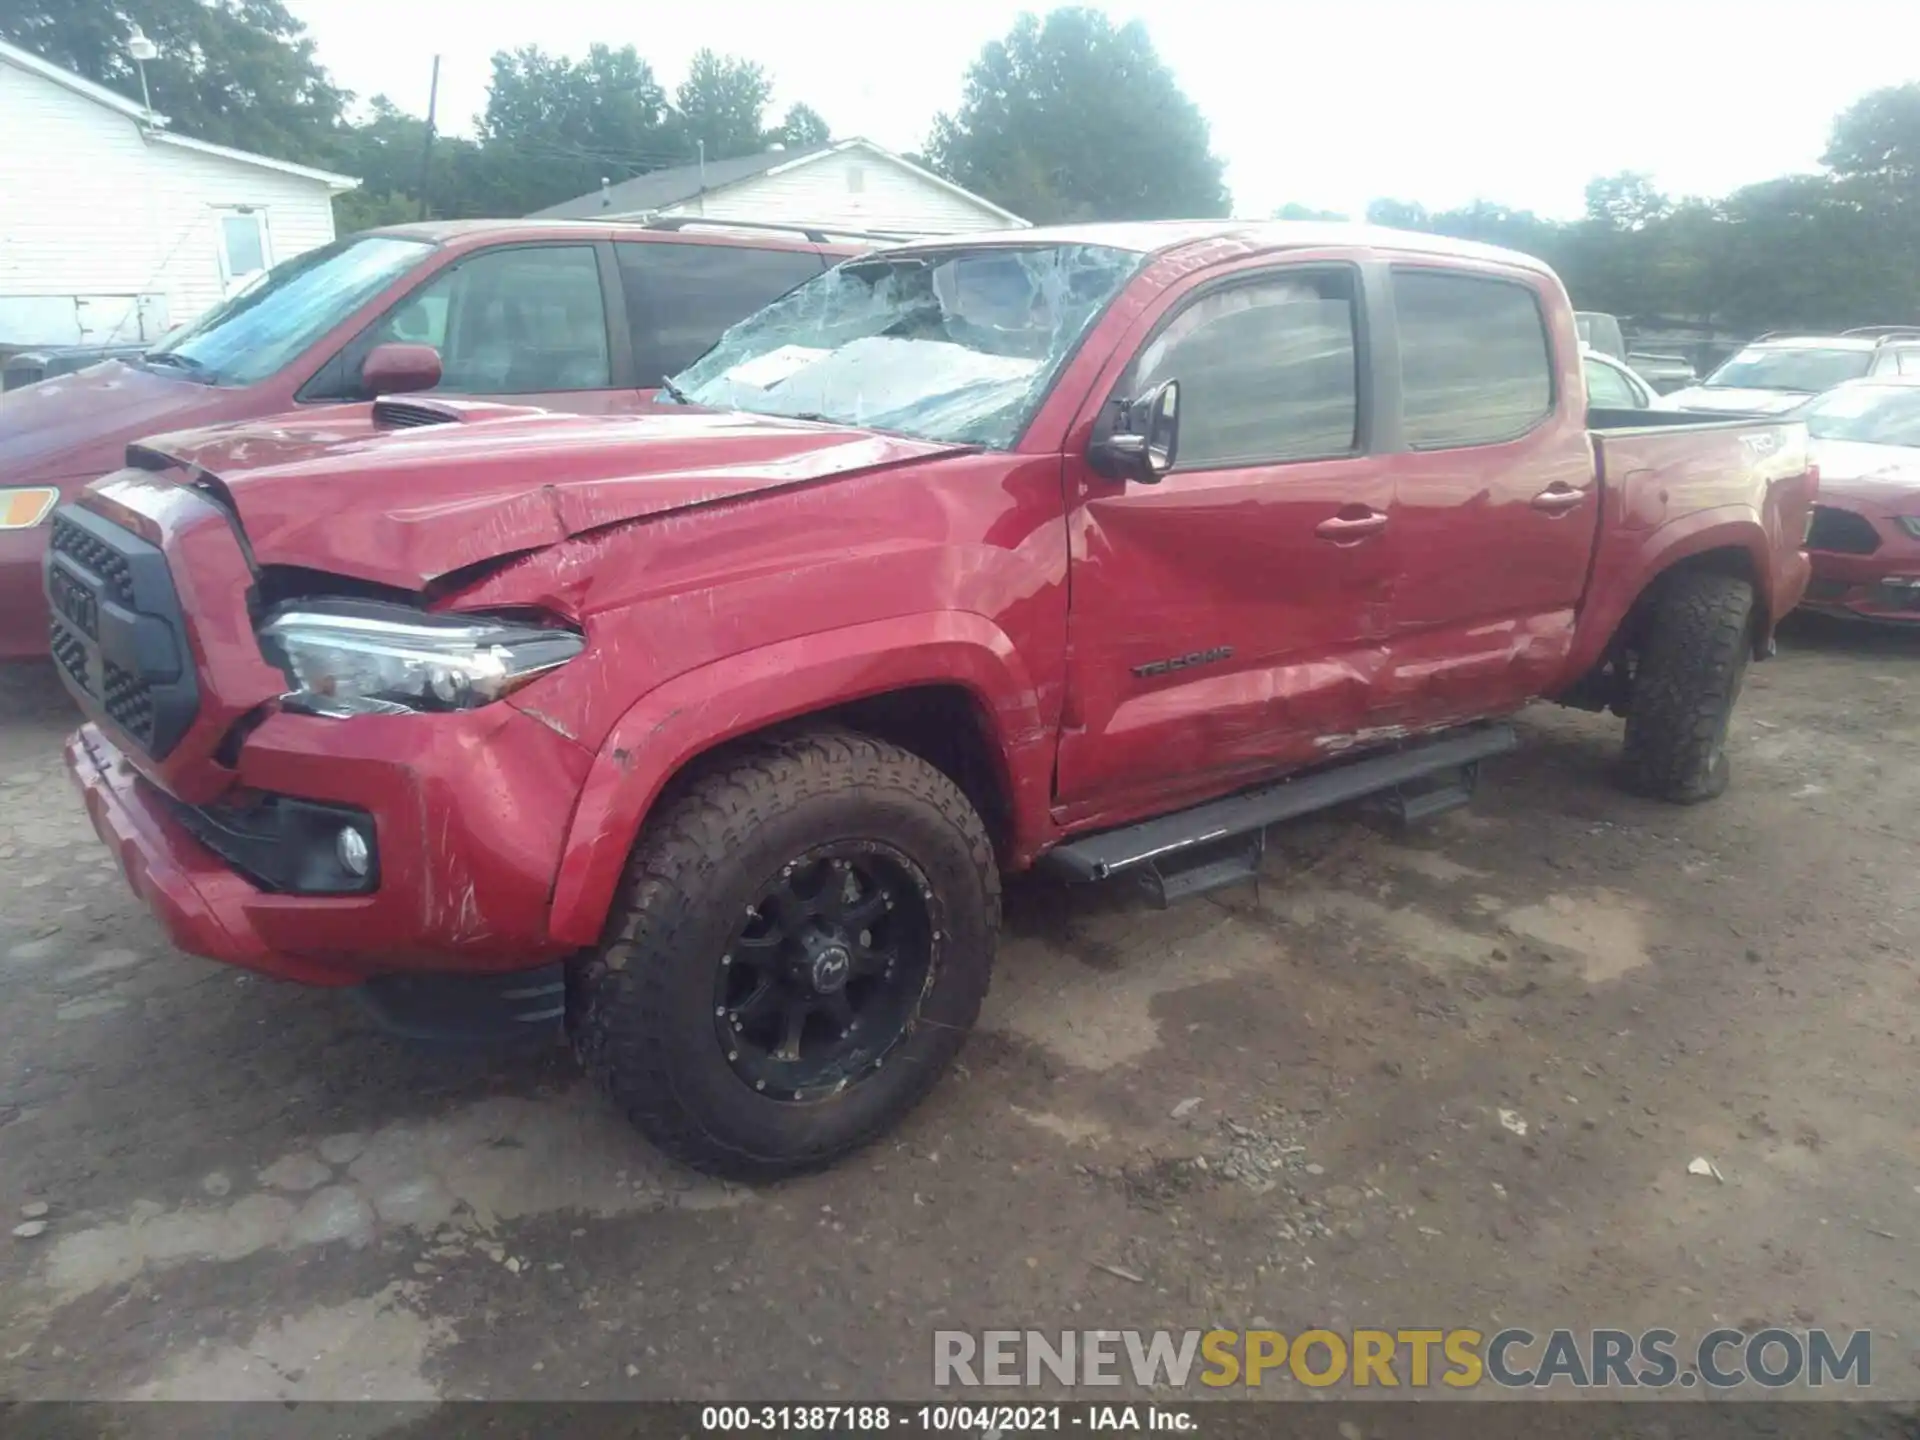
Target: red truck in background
<point>713,730</point>
<point>569,314</point>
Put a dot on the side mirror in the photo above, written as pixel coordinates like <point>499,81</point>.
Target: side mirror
<point>1145,440</point>
<point>399,370</point>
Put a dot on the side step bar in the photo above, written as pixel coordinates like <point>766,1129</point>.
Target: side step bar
<point>1165,842</point>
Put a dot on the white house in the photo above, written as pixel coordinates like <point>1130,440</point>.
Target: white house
<point>113,228</point>
<point>849,184</point>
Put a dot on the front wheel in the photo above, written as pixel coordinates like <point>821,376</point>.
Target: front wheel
<point>1698,640</point>
<point>799,947</point>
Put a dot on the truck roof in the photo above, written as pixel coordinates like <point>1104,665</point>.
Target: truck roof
<point>444,232</point>
<point>1152,237</point>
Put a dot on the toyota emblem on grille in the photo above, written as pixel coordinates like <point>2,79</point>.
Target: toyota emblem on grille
<point>76,603</point>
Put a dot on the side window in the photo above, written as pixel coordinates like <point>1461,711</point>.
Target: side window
<point>1475,366</point>
<point>1267,371</point>
<point>681,296</point>
<point>513,321</point>
<point>1909,362</point>
<point>1609,389</point>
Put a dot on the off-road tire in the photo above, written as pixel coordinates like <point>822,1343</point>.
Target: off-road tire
<point>640,1004</point>
<point>1692,661</point>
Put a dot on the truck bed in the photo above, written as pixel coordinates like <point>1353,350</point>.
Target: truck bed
<point>1667,474</point>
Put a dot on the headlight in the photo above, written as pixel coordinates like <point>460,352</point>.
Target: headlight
<point>1911,524</point>
<point>347,657</point>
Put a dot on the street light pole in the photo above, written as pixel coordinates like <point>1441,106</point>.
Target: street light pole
<point>426,151</point>
<point>142,50</point>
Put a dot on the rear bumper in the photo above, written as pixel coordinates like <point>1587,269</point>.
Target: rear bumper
<point>468,816</point>
<point>23,600</point>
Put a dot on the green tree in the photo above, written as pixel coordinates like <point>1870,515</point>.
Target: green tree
<point>1878,139</point>
<point>1626,201</point>
<point>1292,210</point>
<point>554,128</point>
<point>235,72</point>
<point>385,150</point>
<point>803,129</point>
<point>1072,118</point>
<point>1400,214</point>
<point>720,105</point>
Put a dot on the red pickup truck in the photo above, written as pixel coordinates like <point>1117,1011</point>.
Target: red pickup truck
<point>713,730</point>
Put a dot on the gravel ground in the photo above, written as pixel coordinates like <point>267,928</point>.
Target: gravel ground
<point>1300,1103</point>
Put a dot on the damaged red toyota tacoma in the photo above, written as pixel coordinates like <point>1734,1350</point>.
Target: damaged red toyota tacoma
<point>713,730</point>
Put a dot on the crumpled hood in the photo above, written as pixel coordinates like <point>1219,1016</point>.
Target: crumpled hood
<point>1869,474</point>
<point>404,506</point>
<point>1757,402</point>
<point>80,424</point>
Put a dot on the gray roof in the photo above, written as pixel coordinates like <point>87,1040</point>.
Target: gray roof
<point>660,188</point>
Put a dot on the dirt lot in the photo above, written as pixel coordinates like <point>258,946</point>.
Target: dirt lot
<point>251,1193</point>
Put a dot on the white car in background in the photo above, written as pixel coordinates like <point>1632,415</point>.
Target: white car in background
<point>1777,372</point>
<point>1613,386</point>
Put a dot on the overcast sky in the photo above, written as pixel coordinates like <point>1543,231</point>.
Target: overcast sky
<point>1326,104</point>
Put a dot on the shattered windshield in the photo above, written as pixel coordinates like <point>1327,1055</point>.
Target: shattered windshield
<point>955,346</point>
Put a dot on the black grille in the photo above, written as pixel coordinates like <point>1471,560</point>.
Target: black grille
<point>129,701</point>
<point>1904,598</point>
<point>1842,531</point>
<point>95,555</point>
<point>116,631</point>
<point>71,653</point>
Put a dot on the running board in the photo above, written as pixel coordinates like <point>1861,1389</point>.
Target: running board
<point>1164,841</point>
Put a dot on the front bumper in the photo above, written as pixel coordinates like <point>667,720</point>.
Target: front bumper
<point>1882,585</point>
<point>469,814</point>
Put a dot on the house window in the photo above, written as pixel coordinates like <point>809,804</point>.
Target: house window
<point>244,252</point>
<point>856,180</point>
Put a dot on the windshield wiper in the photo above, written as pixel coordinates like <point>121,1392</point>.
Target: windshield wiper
<point>199,369</point>
<point>679,395</point>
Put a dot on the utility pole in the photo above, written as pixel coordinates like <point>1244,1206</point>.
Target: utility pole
<point>426,151</point>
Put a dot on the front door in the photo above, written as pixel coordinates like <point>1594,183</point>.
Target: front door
<point>522,323</point>
<point>1232,616</point>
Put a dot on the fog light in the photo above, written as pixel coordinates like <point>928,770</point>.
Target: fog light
<point>351,846</point>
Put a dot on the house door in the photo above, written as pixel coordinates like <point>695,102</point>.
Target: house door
<point>245,249</point>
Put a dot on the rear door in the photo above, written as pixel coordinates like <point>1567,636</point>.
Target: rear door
<point>1232,616</point>
<point>682,293</point>
<point>1495,503</point>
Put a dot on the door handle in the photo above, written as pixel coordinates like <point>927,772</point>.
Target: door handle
<point>1344,529</point>
<point>1558,497</point>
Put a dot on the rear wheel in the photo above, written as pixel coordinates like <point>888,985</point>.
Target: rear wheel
<point>801,943</point>
<point>1699,639</point>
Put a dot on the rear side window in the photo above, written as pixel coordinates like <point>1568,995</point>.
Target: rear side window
<point>1267,371</point>
<point>681,297</point>
<point>1475,366</point>
<point>1909,362</point>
